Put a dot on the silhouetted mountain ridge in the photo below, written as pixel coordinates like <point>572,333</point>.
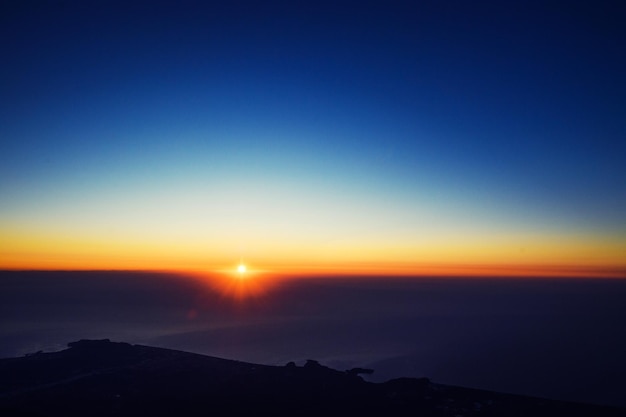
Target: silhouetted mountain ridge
<point>103,378</point>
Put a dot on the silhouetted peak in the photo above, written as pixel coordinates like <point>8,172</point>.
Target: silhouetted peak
<point>310,363</point>
<point>314,367</point>
<point>104,378</point>
<point>87,343</point>
<point>358,371</point>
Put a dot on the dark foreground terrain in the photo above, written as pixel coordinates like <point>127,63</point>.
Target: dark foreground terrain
<point>102,378</point>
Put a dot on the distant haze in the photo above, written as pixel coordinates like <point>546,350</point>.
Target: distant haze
<point>555,338</point>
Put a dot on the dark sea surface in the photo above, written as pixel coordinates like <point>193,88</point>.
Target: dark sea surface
<point>556,338</point>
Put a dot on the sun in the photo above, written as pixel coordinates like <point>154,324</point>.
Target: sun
<point>241,281</point>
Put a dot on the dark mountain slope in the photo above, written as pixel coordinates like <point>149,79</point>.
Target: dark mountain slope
<point>101,378</point>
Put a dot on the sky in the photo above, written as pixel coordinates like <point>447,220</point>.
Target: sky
<point>317,137</point>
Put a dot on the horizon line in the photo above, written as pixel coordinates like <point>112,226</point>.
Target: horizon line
<point>425,271</point>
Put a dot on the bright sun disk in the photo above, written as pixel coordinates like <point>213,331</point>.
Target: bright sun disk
<point>241,268</point>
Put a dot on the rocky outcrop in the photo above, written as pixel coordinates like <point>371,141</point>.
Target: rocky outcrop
<point>102,378</point>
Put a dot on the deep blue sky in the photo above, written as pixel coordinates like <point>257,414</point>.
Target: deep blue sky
<point>506,116</point>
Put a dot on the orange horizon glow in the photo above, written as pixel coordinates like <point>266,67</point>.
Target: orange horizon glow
<point>255,282</point>
<point>252,274</point>
<point>546,257</point>
<point>438,256</point>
